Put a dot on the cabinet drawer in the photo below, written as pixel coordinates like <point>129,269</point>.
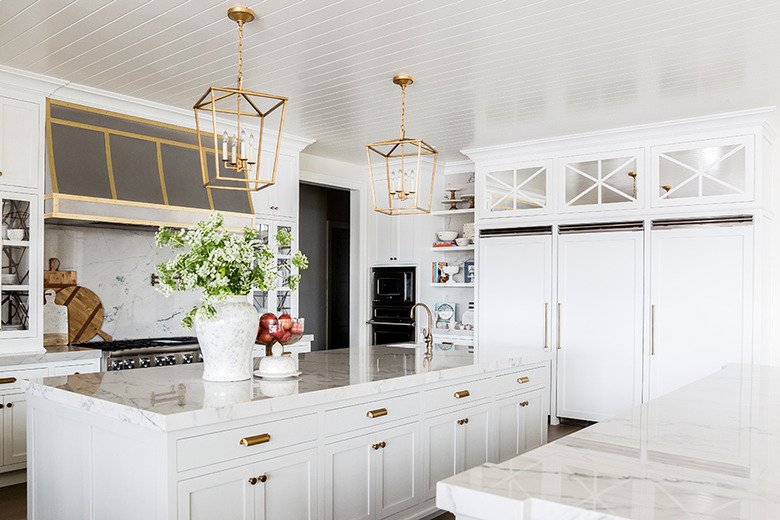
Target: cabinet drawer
<point>9,379</point>
<point>81,368</point>
<point>460,394</point>
<point>341,420</point>
<point>521,380</point>
<point>194,452</point>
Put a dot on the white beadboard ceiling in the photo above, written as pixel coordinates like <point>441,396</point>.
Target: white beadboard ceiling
<point>486,71</point>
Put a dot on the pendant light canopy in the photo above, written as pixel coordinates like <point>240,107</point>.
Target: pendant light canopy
<point>235,122</point>
<point>402,170</point>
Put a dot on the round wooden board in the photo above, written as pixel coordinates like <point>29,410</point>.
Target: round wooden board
<point>85,313</point>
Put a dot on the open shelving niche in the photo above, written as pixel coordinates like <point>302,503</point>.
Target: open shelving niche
<point>460,292</point>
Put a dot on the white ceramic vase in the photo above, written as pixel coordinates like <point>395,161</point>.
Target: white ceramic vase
<point>227,339</point>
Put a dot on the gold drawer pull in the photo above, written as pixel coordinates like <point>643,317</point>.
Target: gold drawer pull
<point>6,380</point>
<point>255,439</point>
<point>524,403</point>
<point>462,394</point>
<point>373,414</point>
<point>463,421</point>
<point>524,379</point>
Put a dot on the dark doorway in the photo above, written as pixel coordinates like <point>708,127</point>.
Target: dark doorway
<point>324,237</point>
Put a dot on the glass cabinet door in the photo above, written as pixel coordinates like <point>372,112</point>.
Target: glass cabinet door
<point>15,280</point>
<point>279,300</point>
<point>601,182</point>
<point>718,170</point>
<point>515,191</point>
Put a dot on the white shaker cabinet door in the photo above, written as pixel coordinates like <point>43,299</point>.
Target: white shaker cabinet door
<point>600,298</point>
<point>225,494</point>
<point>19,143</point>
<point>701,295</point>
<point>348,480</point>
<point>397,461</point>
<point>14,429</point>
<point>286,487</point>
<point>520,421</point>
<point>515,292</point>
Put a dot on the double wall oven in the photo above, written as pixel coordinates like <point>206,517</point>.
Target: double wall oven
<point>393,294</point>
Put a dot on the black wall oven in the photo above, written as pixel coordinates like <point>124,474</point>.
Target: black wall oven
<point>392,298</point>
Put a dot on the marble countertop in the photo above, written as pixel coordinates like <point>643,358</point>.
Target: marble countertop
<point>176,397</point>
<point>51,354</point>
<point>710,450</point>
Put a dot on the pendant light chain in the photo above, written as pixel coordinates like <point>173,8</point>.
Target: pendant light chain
<point>240,49</point>
<point>403,110</point>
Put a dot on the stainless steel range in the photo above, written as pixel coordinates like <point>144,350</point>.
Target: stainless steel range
<point>142,353</point>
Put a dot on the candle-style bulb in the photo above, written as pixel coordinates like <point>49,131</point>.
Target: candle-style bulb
<point>243,145</point>
<point>233,150</point>
<point>225,146</point>
<point>251,151</point>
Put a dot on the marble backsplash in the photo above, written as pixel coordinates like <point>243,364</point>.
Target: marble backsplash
<point>117,264</point>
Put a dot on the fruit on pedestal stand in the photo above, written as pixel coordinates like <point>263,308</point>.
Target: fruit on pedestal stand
<point>297,327</point>
<point>285,321</point>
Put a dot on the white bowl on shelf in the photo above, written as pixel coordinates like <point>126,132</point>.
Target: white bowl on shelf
<point>447,236</point>
<point>16,234</point>
<point>462,242</point>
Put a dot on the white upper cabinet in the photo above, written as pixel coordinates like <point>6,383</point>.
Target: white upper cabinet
<point>598,182</point>
<point>19,143</point>
<point>514,190</point>
<point>704,172</point>
<point>281,199</point>
<point>396,239</point>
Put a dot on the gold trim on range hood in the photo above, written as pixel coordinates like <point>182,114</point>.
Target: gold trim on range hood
<point>110,169</point>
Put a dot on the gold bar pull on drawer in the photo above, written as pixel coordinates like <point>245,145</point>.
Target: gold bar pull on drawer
<point>462,394</point>
<point>6,380</point>
<point>255,439</point>
<point>524,379</point>
<point>380,412</point>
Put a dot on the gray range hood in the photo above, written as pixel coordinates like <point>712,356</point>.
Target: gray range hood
<point>110,168</point>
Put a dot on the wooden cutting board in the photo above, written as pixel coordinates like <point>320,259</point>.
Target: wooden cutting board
<point>85,313</point>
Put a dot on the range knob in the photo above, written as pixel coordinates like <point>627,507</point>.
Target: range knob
<point>186,359</point>
<point>159,361</point>
<point>117,365</point>
<point>144,362</point>
<point>129,363</point>
<point>170,360</point>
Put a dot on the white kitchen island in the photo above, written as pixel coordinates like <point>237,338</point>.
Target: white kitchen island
<point>353,438</point>
<point>710,450</point>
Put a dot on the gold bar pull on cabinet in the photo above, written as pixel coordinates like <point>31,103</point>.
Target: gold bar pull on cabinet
<point>255,439</point>
<point>524,379</point>
<point>462,394</point>
<point>559,326</point>
<point>546,323</point>
<point>652,330</point>
<point>7,380</point>
<point>373,414</point>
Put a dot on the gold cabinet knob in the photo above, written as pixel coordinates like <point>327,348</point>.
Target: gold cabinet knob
<point>379,445</point>
<point>252,480</point>
<point>263,477</point>
<point>1,405</point>
<point>463,421</point>
<point>1,174</point>
<point>524,403</point>
<point>10,405</point>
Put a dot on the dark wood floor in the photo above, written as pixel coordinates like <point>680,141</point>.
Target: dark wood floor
<point>13,499</point>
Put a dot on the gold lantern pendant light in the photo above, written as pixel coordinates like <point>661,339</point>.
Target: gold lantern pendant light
<point>402,170</point>
<point>230,155</point>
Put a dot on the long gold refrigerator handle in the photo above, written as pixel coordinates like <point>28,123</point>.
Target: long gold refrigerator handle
<point>546,324</point>
<point>559,326</point>
<point>652,330</point>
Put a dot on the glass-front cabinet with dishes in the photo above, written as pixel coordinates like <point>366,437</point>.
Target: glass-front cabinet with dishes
<point>17,283</point>
<point>281,299</point>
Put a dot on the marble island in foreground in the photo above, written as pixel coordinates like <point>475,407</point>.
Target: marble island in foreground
<point>358,435</point>
<point>710,450</point>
